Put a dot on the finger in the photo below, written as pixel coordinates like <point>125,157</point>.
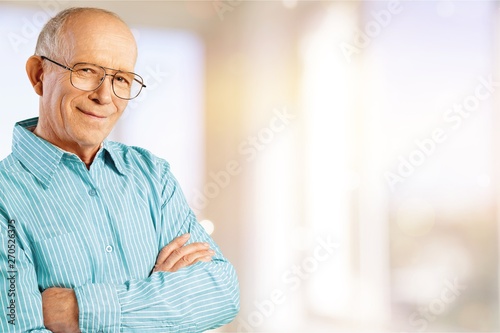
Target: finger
<point>192,259</point>
<point>179,253</point>
<point>170,247</point>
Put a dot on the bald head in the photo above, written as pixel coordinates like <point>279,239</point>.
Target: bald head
<point>52,41</point>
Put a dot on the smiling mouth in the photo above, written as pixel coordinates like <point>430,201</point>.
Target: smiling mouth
<point>90,114</point>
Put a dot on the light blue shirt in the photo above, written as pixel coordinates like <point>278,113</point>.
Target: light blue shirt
<point>99,232</point>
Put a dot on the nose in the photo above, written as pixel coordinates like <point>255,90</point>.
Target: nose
<point>104,93</point>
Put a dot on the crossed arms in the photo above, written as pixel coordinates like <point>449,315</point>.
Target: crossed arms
<point>192,289</point>
<point>60,306</point>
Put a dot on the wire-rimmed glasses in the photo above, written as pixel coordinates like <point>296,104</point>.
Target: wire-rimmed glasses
<point>89,77</point>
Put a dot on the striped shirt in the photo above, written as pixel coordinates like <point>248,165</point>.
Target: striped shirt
<point>99,231</point>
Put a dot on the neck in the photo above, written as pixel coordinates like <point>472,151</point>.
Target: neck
<point>85,153</point>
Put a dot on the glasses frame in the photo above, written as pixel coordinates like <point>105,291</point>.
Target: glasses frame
<point>71,69</point>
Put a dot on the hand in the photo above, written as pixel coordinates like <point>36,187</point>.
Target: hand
<point>175,255</point>
<point>60,310</point>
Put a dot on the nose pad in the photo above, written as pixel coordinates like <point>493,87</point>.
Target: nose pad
<point>103,79</point>
<point>104,92</point>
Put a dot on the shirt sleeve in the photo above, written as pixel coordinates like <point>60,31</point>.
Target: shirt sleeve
<point>20,299</point>
<point>193,299</point>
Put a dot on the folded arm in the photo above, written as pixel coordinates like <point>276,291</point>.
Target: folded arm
<point>195,298</point>
<point>60,305</point>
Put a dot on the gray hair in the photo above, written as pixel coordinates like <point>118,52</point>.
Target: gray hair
<point>50,42</point>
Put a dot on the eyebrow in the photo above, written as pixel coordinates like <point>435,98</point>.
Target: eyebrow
<point>113,69</point>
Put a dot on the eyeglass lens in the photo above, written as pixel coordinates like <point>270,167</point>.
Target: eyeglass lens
<point>89,77</point>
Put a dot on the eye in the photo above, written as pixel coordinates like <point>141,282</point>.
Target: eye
<point>124,79</point>
<point>87,71</point>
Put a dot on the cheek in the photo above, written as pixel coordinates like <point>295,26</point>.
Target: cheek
<point>68,105</point>
<point>120,107</point>
<point>65,93</point>
<point>57,107</point>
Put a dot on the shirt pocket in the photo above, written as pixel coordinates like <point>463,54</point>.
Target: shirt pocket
<point>61,261</point>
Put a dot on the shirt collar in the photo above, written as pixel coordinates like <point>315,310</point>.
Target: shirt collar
<point>41,158</point>
<point>116,158</point>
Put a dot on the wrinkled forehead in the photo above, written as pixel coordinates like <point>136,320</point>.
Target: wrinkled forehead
<point>102,39</point>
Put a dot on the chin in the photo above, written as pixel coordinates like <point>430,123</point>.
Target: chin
<point>89,142</point>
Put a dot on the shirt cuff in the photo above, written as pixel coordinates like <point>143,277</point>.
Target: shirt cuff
<point>99,308</point>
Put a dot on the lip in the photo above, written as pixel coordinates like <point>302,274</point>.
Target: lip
<point>91,114</point>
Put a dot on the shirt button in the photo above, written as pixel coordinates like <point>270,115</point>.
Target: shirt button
<point>92,192</point>
<point>109,248</point>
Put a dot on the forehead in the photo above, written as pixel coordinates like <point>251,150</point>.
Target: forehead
<point>101,39</point>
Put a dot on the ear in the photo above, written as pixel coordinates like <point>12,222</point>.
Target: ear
<point>34,69</point>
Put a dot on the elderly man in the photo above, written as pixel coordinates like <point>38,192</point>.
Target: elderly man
<point>97,236</point>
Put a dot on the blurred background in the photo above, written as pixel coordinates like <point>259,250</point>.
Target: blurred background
<point>343,154</point>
